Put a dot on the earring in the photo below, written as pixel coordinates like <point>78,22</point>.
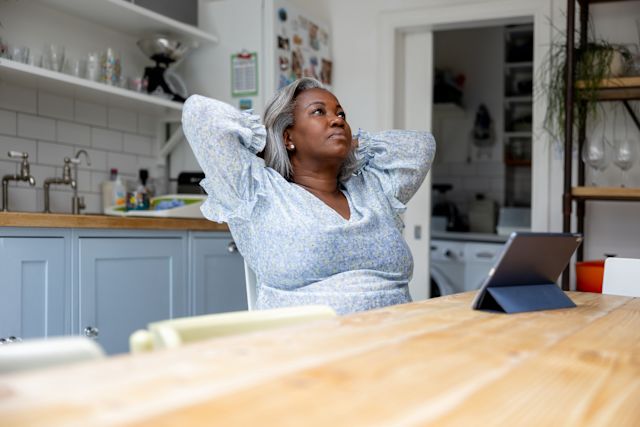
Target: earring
<point>291,147</point>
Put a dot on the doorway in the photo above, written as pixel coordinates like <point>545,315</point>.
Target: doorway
<point>396,55</point>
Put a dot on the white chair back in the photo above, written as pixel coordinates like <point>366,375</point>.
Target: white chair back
<point>250,283</point>
<point>41,353</point>
<point>621,277</point>
<point>177,332</point>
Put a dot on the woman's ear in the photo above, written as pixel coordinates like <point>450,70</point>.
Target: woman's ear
<point>287,138</point>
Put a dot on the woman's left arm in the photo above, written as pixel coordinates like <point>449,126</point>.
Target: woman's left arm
<point>400,159</point>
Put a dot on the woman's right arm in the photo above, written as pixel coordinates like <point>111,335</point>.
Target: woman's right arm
<point>225,142</point>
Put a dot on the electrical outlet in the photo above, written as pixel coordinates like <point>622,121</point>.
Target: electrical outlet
<point>417,232</point>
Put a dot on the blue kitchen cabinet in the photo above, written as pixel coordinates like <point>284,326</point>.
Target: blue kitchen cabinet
<point>34,285</point>
<point>126,282</point>
<point>217,274</point>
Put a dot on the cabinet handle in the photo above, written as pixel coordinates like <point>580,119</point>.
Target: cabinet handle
<point>91,332</point>
<point>484,255</point>
<point>232,248</point>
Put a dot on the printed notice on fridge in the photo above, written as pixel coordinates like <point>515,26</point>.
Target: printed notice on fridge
<point>244,74</point>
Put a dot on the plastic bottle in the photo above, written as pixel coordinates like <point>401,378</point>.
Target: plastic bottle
<point>107,191</point>
<point>119,191</point>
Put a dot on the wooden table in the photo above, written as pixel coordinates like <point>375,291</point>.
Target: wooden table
<point>434,362</point>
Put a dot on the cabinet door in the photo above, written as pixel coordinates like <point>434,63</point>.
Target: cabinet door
<point>32,287</point>
<point>126,283</point>
<point>217,270</point>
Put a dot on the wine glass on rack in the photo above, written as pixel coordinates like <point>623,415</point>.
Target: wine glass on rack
<point>594,154</point>
<point>624,153</point>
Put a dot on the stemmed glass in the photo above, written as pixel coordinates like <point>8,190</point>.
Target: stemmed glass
<point>594,154</point>
<point>625,152</point>
<point>624,156</point>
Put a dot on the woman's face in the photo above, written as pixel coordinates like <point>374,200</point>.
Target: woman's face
<point>320,132</point>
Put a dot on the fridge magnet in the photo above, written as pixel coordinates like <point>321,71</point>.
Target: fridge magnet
<point>245,104</point>
<point>244,74</point>
<point>297,40</point>
<point>296,63</point>
<point>283,43</point>
<point>283,81</point>
<point>282,14</point>
<point>314,42</point>
<point>325,71</point>
<point>284,63</point>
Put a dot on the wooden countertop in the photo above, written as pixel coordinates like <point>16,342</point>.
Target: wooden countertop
<point>433,362</point>
<point>30,219</point>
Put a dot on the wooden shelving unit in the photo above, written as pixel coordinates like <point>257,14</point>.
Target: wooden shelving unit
<point>621,89</point>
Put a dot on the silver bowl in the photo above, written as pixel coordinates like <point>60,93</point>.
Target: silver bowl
<point>164,49</point>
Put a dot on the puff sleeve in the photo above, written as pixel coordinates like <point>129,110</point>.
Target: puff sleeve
<point>399,159</point>
<point>225,142</point>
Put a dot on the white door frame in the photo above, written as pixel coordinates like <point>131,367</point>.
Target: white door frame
<point>394,24</point>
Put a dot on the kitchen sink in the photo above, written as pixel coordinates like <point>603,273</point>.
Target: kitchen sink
<point>167,206</point>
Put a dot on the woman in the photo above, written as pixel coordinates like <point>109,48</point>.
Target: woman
<point>316,215</point>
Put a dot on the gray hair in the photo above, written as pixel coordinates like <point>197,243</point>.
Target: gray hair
<point>278,117</point>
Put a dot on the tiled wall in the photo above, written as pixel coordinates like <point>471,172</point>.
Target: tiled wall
<point>50,127</point>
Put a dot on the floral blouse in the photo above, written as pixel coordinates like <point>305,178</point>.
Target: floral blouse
<point>303,251</point>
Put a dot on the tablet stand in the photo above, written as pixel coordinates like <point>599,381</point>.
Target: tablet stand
<point>521,298</point>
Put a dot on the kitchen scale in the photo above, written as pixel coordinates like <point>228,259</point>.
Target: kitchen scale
<point>165,51</point>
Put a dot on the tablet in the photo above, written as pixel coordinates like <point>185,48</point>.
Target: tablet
<point>524,277</point>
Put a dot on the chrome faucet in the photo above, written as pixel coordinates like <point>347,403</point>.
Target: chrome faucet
<point>65,180</point>
<point>24,175</point>
<point>77,202</point>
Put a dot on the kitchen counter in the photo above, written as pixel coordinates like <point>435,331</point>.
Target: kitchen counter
<point>42,220</point>
<point>434,362</point>
<point>468,237</point>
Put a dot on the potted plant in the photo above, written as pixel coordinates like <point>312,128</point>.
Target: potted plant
<point>596,61</point>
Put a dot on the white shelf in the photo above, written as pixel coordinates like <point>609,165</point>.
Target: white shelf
<point>517,134</point>
<point>510,65</point>
<point>85,90</point>
<point>130,19</point>
<point>518,99</point>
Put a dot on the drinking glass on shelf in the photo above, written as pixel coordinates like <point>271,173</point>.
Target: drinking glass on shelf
<point>594,154</point>
<point>53,57</point>
<point>624,156</point>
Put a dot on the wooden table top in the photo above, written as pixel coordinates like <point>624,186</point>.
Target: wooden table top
<point>433,362</point>
<point>53,220</point>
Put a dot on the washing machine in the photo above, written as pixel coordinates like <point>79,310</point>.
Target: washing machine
<point>447,267</point>
<point>459,266</point>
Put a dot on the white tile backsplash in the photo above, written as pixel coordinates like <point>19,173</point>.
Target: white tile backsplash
<point>8,122</point>
<point>106,139</point>
<point>125,163</point>
<point>73,133</point>
<point>91,114</point>
<point>138,144</point>
<point>147,125</point>
<point>41,172</point>
<point>50,127</point>
<point>122,120</point>
<point>36,127</point>
<point>53,154</point>
<point>59,107</point>
<point>22,197</point>
<point>98,160</point>
<point>18,98</point>
<point>17,144</point>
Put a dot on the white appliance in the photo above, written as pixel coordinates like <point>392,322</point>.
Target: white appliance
<point>459,266</point>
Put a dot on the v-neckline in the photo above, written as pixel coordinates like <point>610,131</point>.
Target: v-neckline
<point>326,205</point>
